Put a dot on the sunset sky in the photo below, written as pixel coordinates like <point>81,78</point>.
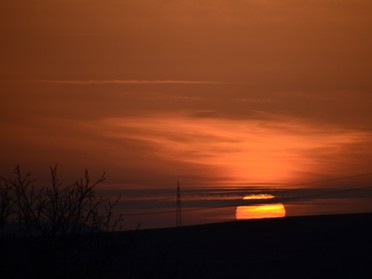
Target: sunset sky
<point>208,92</point>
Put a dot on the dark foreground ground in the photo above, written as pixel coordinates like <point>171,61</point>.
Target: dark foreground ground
<point>338,246</point>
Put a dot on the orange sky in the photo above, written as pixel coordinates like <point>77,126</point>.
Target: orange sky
<point>209,92</point>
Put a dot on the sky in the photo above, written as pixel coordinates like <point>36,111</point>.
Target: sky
<point>209,92</point>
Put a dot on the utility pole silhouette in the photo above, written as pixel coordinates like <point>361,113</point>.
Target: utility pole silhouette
<point>179,212</point>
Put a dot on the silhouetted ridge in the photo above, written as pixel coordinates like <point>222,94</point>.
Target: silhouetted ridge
<point>333,246</point>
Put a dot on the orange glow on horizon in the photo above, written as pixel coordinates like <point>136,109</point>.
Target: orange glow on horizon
<point>240,152</point>
<point>259,197</point>
<point>276,210</point>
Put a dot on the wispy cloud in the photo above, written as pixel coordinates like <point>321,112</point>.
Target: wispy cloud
<point>119,81</point>
<point>246,151</point>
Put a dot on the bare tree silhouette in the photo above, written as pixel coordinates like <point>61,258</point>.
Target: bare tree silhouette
<point>56,209</point>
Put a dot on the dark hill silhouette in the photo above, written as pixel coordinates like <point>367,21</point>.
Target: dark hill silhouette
<point>336,246</point>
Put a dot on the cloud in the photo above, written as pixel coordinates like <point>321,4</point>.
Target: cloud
<point>135,82</point>
<point>247,151</point>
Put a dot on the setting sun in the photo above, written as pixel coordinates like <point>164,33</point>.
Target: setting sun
<point>275,210</point>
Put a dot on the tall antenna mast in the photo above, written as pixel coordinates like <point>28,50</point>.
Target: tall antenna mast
<point>179,212</point>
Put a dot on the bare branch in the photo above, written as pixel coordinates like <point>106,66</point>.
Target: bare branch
<point>55,209</point>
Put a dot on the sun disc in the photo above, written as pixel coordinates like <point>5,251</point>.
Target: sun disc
<point>274,210</point>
